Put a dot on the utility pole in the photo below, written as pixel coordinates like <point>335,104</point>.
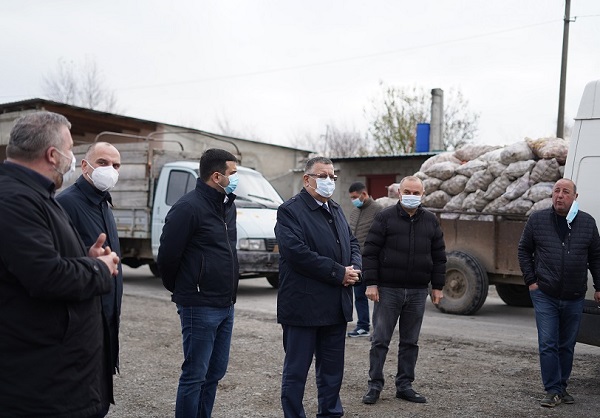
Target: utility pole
<point>560,126</point>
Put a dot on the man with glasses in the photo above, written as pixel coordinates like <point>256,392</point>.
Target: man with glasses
<point>319,262</point>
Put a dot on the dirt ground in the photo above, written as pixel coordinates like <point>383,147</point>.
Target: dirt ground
<point>460,378</point>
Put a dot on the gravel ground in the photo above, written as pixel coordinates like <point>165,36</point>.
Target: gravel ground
<point>460,378</point>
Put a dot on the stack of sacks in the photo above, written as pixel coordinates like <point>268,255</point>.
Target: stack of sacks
<point>485,179</point>
<point>393,195</point>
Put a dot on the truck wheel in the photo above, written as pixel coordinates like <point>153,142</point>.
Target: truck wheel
<point>514,294</point>
<point>466,285</point>
<point>273,280</point>
<point>154,269</point>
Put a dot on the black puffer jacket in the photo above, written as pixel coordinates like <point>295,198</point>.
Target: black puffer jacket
<point>560,268</point>
<point>403,251</point>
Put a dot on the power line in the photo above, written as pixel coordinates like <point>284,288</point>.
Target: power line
<point>337,61</point>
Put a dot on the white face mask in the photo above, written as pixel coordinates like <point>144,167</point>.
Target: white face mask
<point>104,178</point>
<point>68,175</point>
<point>410,201</point>
<point>325,187</point>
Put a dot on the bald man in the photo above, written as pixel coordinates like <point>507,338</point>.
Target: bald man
<point>87,203</point>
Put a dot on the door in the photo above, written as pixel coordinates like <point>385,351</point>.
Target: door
<point>377,184</point>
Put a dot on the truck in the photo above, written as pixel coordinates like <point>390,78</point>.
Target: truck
<point>483,252</point>
<point>152,179</point>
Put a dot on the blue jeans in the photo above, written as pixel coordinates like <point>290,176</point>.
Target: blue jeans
<point>405,307</point>
<point>326,344</point>
<point>206,333</point>
<point>557,324</point>
<point>362,306</point>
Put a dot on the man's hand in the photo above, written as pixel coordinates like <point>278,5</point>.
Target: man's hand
<point>112,262</point>
<point>436,296</point>
<point>597,296</point>
<point>533,286</point>
<point>372,293</point>
<point>96,250</point>
<point>351,276</point>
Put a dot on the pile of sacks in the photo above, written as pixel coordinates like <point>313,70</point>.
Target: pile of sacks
<point>483,179</point>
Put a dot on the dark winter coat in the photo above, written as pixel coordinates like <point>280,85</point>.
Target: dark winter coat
<point>315,248</point>
<point>403,251</point>
<point>89,211</point>
<point>560,267</point>
<point>197,257</point>
<point>53,361</point>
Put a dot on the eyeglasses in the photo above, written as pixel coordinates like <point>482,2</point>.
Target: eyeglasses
<point>324,176</point>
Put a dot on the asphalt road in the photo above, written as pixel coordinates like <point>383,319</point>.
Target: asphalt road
<point>494,323</point>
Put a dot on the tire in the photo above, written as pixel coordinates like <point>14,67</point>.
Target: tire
<point>273,280</point>
<point>154,269</point>
<point>466,285</point>
<point>514,295</point>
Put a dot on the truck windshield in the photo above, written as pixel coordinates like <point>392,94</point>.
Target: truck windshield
<point>253,186</point>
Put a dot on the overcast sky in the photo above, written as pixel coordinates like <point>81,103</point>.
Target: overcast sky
<point>280,69</point>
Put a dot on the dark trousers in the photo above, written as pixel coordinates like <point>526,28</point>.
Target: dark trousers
<point>362,306</point>
<point>327,344</point>
<point>406,307</point>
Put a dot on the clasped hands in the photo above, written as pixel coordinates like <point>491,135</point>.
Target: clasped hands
<point>106,255</point>
<point>351,276</point>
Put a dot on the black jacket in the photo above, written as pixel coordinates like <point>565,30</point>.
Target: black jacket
<point>197,257</point>
<point>315,247</point>
<point>560,268</point>
<point>88,209</point>
<point>405,252</point>
<point>53,362</point>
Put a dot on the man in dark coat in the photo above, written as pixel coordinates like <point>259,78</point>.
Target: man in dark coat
<point>319,262</point>
<point>404,253</point>
<point>53,360</point>
<point>557,248</point>
<point>197,260</point>
<point>87,203</point>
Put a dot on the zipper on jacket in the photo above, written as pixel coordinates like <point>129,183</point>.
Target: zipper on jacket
<point>231,253</point>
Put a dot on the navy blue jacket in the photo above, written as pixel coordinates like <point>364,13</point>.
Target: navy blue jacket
<point>88,209</point>
<point>403,251</point>
<point>197,258</point>
<point>560,268</point>
<point>315,248</point>
<point>53,361</point>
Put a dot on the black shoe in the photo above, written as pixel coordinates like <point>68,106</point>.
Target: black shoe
<point>410,395</point>
<point>371,396</point>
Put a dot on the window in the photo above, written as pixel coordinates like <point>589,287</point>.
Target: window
<point>180,182</point>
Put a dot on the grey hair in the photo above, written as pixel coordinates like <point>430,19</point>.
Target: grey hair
<point>316,160</point>
<point>34,133</point>
<point>410,178</point>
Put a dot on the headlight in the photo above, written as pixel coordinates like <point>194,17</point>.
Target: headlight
<point>252,244</point>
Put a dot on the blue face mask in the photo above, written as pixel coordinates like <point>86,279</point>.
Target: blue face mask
<point>572,213</point>
<point>233,182</point>
<point>357,202</point>
<point>325,187</point>
<point>410,201</point>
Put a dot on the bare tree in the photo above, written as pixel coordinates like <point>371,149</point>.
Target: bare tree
<point>80,85</point>
<point>394,117</point>
<point>336,142</point>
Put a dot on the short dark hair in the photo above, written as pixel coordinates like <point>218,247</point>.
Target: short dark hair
<point>34,133</point>
<point>214,159</point>
<point>357,186</point>
<point>321,160</point>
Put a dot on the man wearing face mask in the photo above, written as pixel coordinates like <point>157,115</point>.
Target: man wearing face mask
<point>53,356</point>
<point>557,248</point>
<point>361,218</point>
<point>87,203</point>
<point>198,263</point>
<point>319,262</point>
<point>404,252</point>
